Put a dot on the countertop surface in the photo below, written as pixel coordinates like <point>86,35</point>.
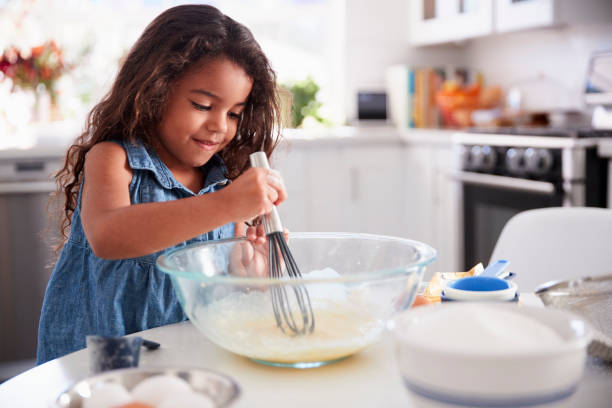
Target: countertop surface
<point>368,379</point>
<point>45,140</point>
<point>52,139</point>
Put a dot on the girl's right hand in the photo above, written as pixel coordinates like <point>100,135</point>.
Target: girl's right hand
<point>254,193</point>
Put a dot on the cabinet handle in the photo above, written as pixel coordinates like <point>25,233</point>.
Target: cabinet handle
<point>27,187</point>
<point>21,167</point>
<point>510,183</point>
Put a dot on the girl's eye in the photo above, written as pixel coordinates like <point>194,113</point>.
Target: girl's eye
<point>200,107</point>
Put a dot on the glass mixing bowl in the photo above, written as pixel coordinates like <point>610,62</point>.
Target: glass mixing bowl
<point>355,283</point>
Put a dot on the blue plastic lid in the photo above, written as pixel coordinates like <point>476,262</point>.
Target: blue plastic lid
<point>479,283</point>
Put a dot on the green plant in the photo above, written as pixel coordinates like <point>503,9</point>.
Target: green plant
<point>305,102</point>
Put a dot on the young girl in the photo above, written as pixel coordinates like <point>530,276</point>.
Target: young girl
<point>163,162</point>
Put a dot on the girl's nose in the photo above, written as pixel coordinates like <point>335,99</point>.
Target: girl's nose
<point>217,122</point>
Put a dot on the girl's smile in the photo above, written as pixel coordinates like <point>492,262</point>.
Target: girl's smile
<point>207,145</point>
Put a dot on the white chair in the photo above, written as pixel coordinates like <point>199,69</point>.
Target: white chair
<point>551,244</point>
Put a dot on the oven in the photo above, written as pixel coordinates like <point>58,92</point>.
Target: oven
<point>500,175</point>
<point>26,254</point>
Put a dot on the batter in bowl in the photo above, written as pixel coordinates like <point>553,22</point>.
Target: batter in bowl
<point>244,323</point>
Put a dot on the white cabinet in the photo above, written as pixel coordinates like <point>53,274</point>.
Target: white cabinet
<point>432,207</point>
<point>510,15</point>
<point>294,211</point>
<point>399,188</point>
<point>375,200</point>
<point>515,15</point>
<point>343,187</point>
<point>316,182</point>
<point>439,21</point>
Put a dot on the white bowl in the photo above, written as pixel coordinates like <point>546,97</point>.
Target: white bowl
<point>489,354</point>
<point>220,388</point>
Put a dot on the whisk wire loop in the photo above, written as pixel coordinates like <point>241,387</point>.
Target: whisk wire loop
<point>300,321</point>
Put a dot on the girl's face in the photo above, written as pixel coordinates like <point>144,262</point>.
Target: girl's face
<point>202,113</point>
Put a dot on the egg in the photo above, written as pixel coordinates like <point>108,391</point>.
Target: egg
<point>154,390</point>
<point>135,405</point>
<point>107,395</point>
<point>187,400</point>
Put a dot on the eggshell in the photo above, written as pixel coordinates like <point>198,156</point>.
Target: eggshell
<point>107,395</point>
<point>155,389</point>
<point>187,400</point>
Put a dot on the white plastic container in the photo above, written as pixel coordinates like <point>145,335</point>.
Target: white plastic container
<point>489,354</point>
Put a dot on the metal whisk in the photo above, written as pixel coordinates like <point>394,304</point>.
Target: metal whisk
<point>293,314</point>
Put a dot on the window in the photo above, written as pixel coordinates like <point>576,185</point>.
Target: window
<point>301,37</point>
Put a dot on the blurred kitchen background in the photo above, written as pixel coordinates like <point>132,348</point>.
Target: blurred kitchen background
<point>400,107</point>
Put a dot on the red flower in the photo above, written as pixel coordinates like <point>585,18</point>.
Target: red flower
<point>43,66</point>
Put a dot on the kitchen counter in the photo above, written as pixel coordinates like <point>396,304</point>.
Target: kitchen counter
<point>52,139</point>
<point>367,379</point>
<point>39,141</point>
<point>366,134</point>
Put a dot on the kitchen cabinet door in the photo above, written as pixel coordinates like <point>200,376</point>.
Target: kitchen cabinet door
<point>447,210</point>
<point>419,192</point>
<point>292,164</point>
<point>394,189</point>
<point>440,21</point>
<point>515,15</point>
<point>343,187</point>
<point>432,206</point>
<point>328,189</point>
<point>317,187</point>
<point>375,200</point>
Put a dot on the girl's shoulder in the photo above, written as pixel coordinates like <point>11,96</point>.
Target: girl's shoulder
<point>107,148</point>
<point>106,155</point>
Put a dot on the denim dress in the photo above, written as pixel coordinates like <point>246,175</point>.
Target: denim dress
<point>90,295</point>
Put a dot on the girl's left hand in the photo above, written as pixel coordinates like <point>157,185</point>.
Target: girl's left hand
<point>250,258</point>
<point>256,234</point>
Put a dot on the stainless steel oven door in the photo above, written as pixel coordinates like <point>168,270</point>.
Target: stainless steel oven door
<point>489,201</point>
<point>28,232</point>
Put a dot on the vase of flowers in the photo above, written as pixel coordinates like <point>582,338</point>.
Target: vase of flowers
<point>36,70</point>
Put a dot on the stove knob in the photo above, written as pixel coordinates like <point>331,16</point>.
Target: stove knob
<point>489,158</point>
<point>538,161</point>
<point>476,158</point>
<point>515,161</point>
<point>484,158</point>
<point>464,157</point>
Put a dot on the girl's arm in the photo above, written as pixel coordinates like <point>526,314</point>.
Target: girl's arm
<point>117,229</point>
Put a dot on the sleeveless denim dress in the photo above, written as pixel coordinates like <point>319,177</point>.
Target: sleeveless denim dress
<point>90,295</point>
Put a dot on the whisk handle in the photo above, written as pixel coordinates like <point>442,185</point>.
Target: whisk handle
<point>272,222</point>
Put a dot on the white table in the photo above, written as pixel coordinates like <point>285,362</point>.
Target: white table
<point>367,379</point>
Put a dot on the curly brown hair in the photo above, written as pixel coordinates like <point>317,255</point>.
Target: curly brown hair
<point>133,108</point>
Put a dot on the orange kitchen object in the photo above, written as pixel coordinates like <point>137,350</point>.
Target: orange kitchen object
<point>434,288</point>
